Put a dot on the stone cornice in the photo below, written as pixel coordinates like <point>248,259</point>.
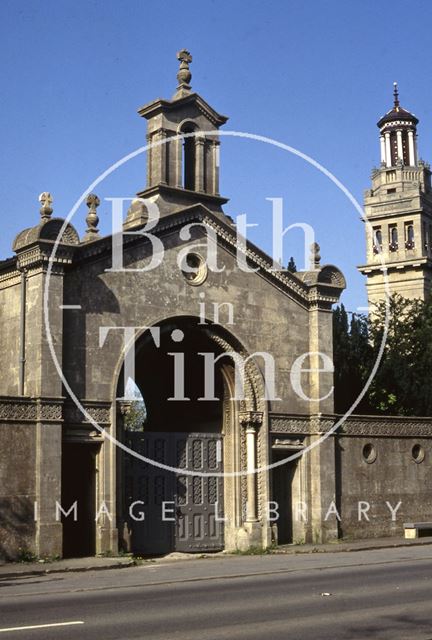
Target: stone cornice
<point>387,426</point>
<point>397,266</point>
<point>84,435</point>
<point>40,252</point>
<point>356,425</point>
<point>317,296</point>
<point>299,424</point>
<point>99,411</point>
<point>179,192</point>
<point>32,410</point>
<point>162,105</point>
<point>17,409</point>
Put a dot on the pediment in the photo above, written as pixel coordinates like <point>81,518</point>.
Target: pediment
<point>302,290</point>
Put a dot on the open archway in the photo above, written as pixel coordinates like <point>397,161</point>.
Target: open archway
<point>191,423</point>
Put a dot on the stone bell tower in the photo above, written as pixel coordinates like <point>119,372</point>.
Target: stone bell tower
<point>183,153</point>
<point>399,210</point>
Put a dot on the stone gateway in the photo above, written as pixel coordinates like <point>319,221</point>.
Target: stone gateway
<point>229,359</point>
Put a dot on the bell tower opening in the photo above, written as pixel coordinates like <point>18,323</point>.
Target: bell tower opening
<point>189,158</point>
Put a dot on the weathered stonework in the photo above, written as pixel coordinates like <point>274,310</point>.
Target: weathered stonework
<point>51,452</point>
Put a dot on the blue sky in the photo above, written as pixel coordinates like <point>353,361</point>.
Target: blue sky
<point>314,75</point>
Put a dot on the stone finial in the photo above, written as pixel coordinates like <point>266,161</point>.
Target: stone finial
<point>92,218</point>
<point>46,209</point>
<point>184,75</point>
<point>315,256</point>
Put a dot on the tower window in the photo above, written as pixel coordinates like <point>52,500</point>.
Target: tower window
<point>393,238</point>
<point>426,236</point>
<point>409,235</point>
<point>377,239</point>
<point>189,159</point>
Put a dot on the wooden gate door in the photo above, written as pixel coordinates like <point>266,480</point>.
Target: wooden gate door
<point>175,511</point>
<point>199,499</point>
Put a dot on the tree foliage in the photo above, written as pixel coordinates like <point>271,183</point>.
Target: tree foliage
<point>352,359</point>
<point>135,416</point>
<point>402,384</point>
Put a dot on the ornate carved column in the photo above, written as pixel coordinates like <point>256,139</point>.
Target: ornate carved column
<point>388,149</point>
<point>157,158</point>
<point>163,156</point>
<point>411,149</point>
<point>199,163</point>
<point>179,169</point>
<point>215,172</point>
<point>149,139</point>
<point>383,151</point>
<point>399,144</point>
<point>251,422</point>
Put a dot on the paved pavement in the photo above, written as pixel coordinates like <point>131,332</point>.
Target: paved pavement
<point>11,569</point>
<point>382,594</point>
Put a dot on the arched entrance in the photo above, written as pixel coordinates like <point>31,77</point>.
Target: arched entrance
<point>180,426</point>
<point>185,426</point>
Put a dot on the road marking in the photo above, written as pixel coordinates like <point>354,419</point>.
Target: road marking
<point>42,626</point>
<point>70,306</point>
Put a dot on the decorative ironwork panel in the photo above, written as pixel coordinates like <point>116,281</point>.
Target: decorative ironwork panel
<point>212,454</point>
<point>197,454</point>
<point>197,493</point>
<point>181,453</point>
<point>212,488</point>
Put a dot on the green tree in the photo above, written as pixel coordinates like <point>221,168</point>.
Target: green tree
<point>352,354</point>
<point>402,384</point>
<point>135,415</point>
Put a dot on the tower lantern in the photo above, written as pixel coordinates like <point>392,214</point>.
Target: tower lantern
<point>398,135</point>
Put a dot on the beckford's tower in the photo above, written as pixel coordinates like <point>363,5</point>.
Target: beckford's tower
<point>399,210</point>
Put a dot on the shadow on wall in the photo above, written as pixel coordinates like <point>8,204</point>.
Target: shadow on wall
<point>17,528</point>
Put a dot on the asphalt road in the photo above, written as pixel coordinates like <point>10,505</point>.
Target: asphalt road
<point>374,594</point>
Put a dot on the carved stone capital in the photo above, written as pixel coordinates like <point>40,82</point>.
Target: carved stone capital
<point>251,419</point>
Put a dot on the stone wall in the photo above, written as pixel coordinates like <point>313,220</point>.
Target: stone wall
<point>30,472</point>
<point>379,461</point>
<point>370,461</point>
<point>17,489</point>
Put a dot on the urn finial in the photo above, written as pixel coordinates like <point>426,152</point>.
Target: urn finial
<point>92,219</point>
<point>315,256</point>
<point>184,75</point>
